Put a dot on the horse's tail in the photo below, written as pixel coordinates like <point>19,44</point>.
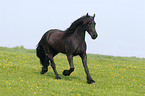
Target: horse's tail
<point>41,54</point>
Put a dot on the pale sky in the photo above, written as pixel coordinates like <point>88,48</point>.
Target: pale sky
<point>120,23</point>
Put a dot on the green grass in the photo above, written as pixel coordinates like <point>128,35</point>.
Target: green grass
<point>114,76</point>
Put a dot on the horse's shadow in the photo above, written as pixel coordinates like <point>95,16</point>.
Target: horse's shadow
<point>66,78</point>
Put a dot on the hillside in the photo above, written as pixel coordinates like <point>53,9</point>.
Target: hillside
<point>114,76</point>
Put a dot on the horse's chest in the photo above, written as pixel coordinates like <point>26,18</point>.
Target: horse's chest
<point>80,48</point>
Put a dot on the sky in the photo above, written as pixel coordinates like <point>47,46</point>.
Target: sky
<point>120,23</point>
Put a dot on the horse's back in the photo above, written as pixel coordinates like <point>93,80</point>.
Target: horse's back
<point>55,30</point>
<point>55,34</point>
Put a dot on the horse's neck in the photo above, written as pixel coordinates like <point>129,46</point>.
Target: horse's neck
<point>79,33</point>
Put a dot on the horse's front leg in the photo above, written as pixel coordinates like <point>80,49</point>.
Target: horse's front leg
<point>70,60</point>
<point>84,60</point>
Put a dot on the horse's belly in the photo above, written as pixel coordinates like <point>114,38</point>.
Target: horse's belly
<point>58,47</point>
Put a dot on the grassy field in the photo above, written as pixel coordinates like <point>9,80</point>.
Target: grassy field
<point>114,76</point>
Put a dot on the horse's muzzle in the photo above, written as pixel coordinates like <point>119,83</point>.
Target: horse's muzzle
<point>94,36</point>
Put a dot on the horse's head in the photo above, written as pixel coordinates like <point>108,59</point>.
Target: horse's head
<point>89,26</point>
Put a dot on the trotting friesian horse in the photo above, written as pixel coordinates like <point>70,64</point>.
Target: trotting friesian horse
<point>70,42</point>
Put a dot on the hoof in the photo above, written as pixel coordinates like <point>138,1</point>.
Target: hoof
<point>66,73</point>
<point>57,77</point>
<point>91,82</point>
<point>42,72</point>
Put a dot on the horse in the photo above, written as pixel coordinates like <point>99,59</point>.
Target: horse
<point>70,42</point>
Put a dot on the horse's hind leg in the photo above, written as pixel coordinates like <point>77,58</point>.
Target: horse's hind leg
<point>53,66</point>
<point>50,54</point>
<point>70,60</point>
<point>43,59</point>
<point>45,63</point>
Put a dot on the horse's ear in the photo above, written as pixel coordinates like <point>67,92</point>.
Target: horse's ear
<point>87,15</point>
<point>94,16</point>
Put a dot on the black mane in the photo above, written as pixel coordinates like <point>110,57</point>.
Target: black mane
<point>74,25</point>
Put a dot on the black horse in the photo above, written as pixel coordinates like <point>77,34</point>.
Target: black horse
<point>70,42</point>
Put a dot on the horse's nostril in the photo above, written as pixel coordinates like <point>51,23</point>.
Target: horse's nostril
<point>94,36</point>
